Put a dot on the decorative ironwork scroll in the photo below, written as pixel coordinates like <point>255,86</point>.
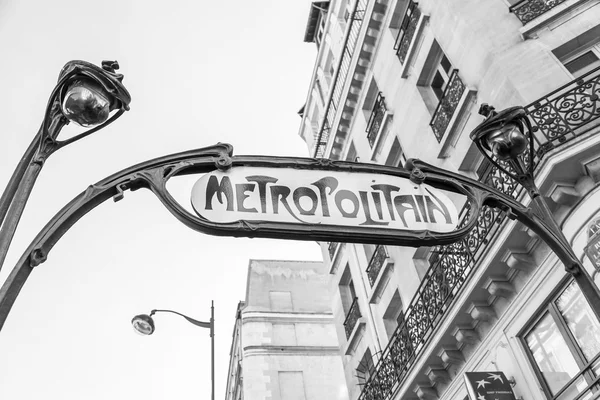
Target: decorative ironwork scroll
<point>376,119</point>
<point>564,113</point>
<point>447,105</point>
<point>528,10</point>
<point>375,263</point>
<point>352,317</point>
<point>559,117</point>
<point>407,31</point>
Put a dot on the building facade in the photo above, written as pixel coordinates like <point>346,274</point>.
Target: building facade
<point>284,345</point>
<point>399,79</point>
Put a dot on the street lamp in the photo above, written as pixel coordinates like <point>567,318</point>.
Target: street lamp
<point>85,94</point>
<point>506,139</point>
<point>144,325</point>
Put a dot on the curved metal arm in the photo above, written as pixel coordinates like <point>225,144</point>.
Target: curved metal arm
<point>189,319</point>
<point>154,174</point>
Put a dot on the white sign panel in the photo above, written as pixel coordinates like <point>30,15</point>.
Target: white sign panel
<point>298,196</point>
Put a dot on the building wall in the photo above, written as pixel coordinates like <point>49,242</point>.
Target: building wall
<point>290,350</point>
<point>502,62</point>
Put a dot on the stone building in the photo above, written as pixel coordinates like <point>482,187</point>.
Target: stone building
<point>284,344</point>
<point>397,79</point>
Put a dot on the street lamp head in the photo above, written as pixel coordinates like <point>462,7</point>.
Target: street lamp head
<point>88,93</point>
<point>85,103</point>
<point>143,324</point>
<point>502,135</point>
<point>505,142</point>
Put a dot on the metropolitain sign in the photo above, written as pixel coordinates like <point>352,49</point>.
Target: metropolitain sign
<point>316,197</point>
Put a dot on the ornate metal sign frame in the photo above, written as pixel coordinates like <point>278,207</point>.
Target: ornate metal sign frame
<point>155,174</point>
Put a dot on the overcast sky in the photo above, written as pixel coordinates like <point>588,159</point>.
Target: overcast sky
<point>199,73</point>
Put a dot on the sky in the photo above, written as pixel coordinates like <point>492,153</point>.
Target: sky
<point>199,73</point>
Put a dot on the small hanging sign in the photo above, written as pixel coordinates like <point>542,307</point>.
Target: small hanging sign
<point>489,386</point>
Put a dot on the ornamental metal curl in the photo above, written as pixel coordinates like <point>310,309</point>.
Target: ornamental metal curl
<point>450,268</point>
<point>528,10</point>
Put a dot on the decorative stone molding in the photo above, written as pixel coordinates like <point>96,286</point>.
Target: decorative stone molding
<point>499,287</point>
<point>424,392</point>
<point>465,335</point>
<point>451,355</point>
<point>521,262</point>
<point>481,312</point>
<point>437,374</point>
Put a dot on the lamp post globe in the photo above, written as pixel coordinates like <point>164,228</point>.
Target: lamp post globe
<point>143,324</point>
<point>507,142</point>
<point>86,103</point>
<point>502,135</point>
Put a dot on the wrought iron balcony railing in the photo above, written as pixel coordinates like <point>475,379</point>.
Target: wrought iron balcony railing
<point>408,27</point>
<point>332,248</point>
<point>341,73</point>
<point>527,10</point>
<point>376,119</point>
<point>375,263</point>
<point>453,264</point>
<point>352,317</point>
<point>447,105</point>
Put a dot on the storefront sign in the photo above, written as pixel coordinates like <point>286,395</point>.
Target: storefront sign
<point>301,196</point>
<point>489,386</point>
<point>592,250</point>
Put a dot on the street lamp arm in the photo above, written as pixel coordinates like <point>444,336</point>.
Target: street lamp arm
<point>189,319</point>
<point>133,178</point>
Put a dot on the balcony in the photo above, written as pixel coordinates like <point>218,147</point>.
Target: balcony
<point>407,31</point>
<point>527,10</point>
<point>352,318</point>
<point>376,119</point>
<point>561,116</point>
<point>376,263</point>
<point>341,74</point>
<point>447,106</point>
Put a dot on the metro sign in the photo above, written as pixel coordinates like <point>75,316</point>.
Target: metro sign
<point>322,197</point>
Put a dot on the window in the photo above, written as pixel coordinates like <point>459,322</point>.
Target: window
<point>352,154</point>
<point>434,77</point>
<point>564,345</point>
<point>365,368</point>
<point>349,301</point>
<point>396,157</point>
<point>581,54</point>
<point>394,315</point>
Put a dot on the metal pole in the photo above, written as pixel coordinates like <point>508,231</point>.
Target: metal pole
<point>212,347</point>
<point>17,206</point>
<point>15,179</point>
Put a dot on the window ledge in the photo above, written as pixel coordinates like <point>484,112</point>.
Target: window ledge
<point>355,336</point>
<point>381,282</point>
<point>531,29</point>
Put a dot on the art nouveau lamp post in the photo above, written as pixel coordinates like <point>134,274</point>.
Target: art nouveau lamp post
<point>144,325</point>
<point>506,139</point>
<point>85,94</point>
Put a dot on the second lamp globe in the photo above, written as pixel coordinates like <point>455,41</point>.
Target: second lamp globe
<point>86,103</point>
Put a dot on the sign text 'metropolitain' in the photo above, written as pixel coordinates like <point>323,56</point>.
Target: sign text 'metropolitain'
<point>322,197</point>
